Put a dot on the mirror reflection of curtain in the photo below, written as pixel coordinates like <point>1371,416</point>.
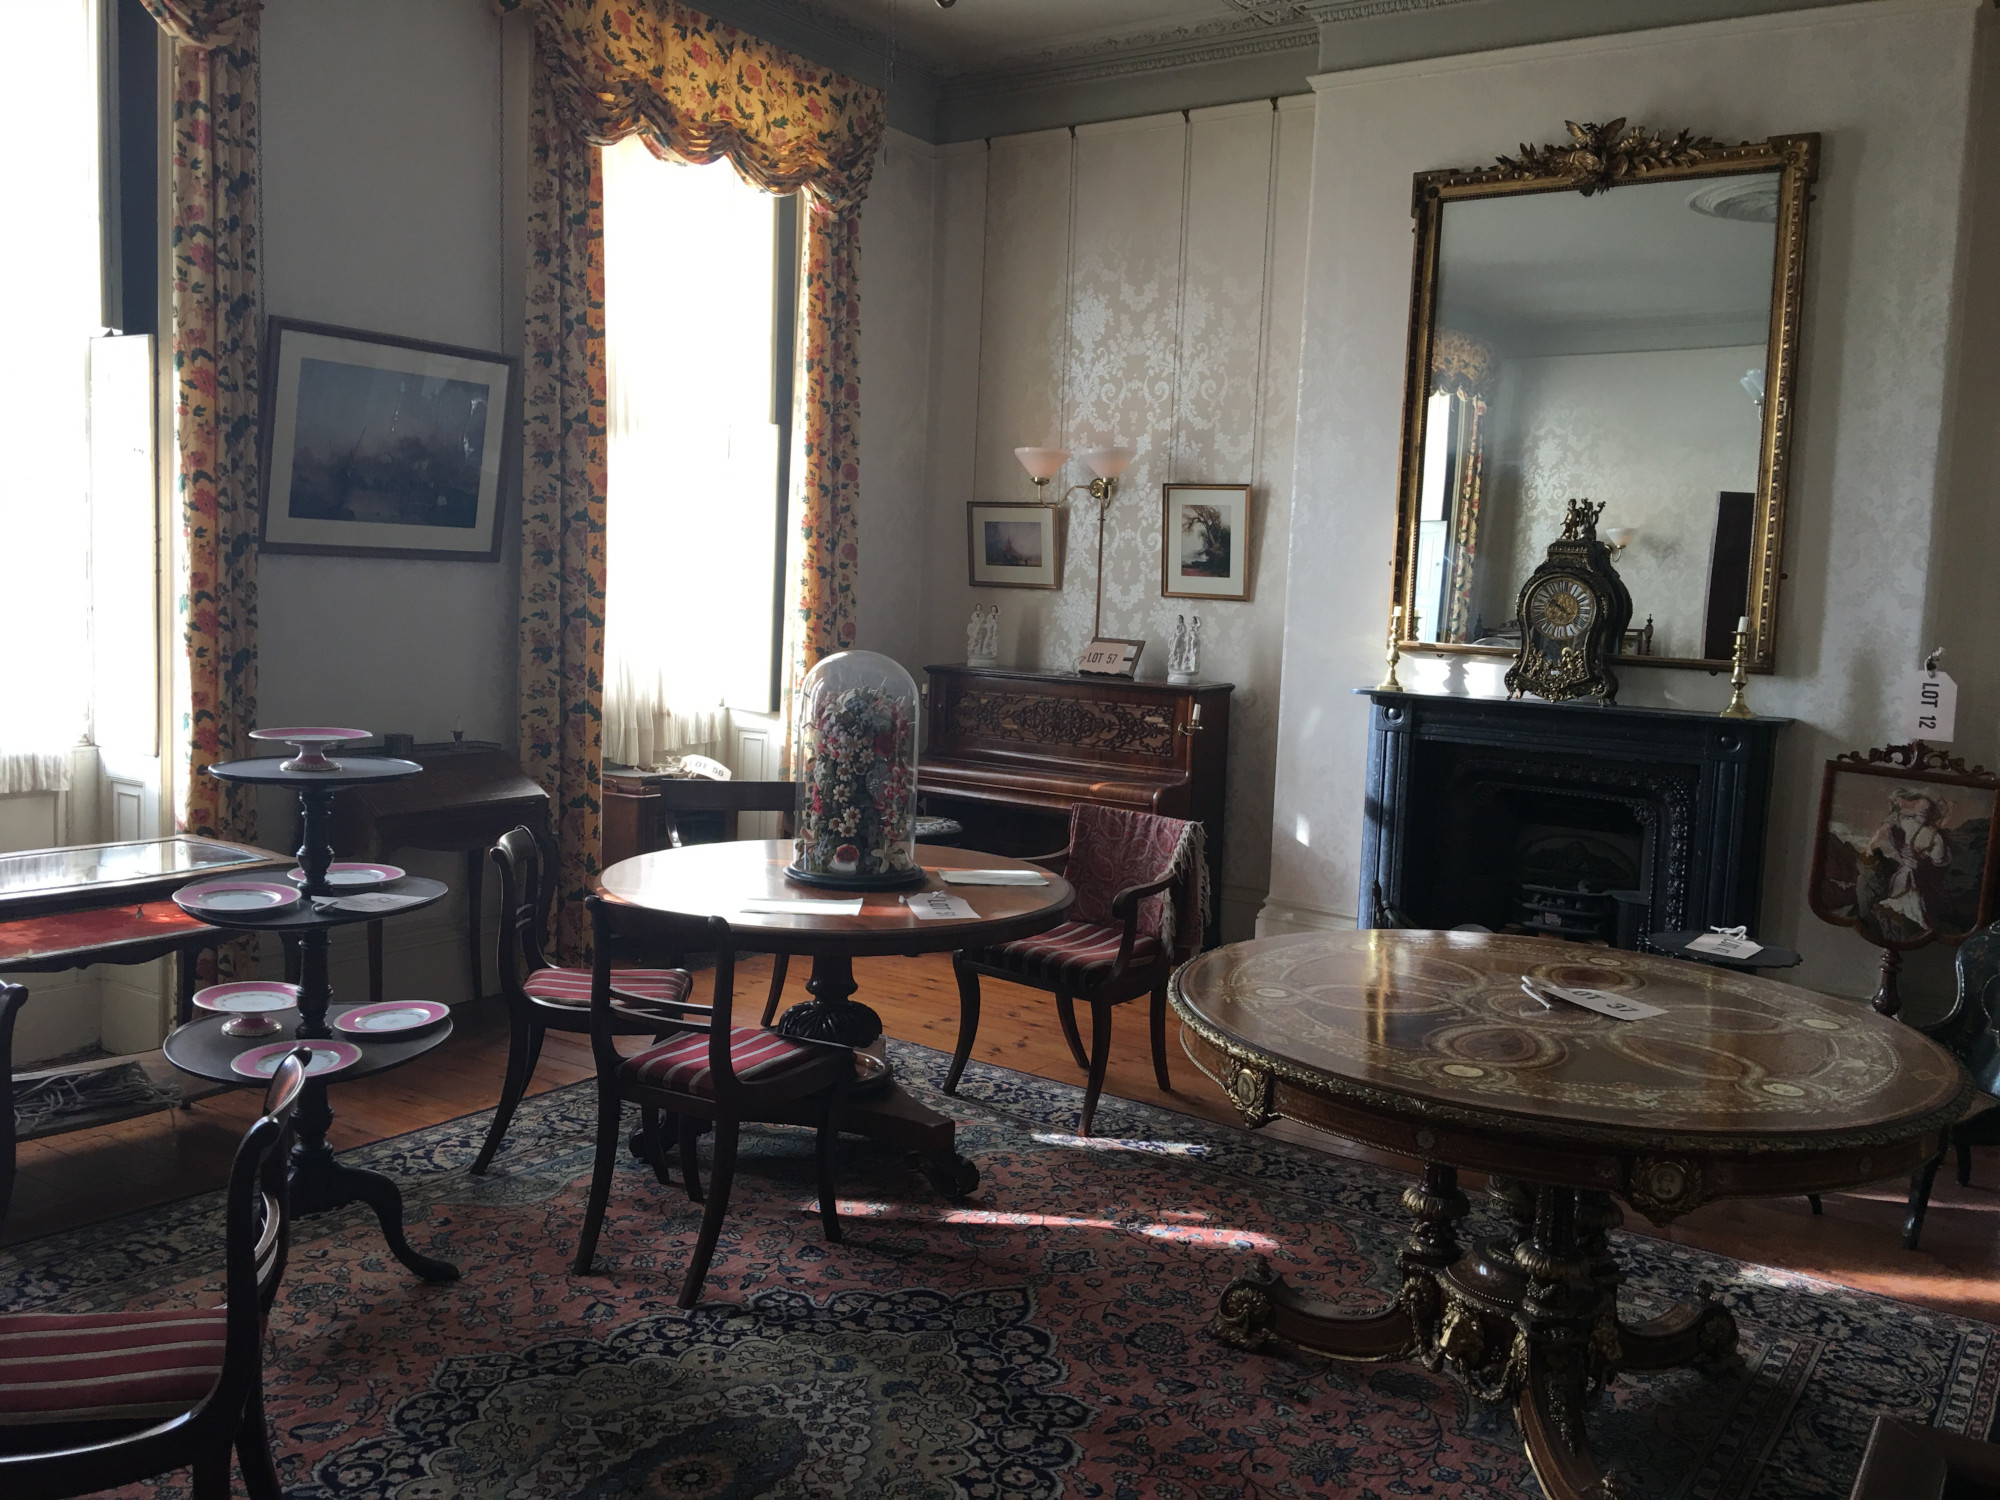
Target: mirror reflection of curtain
<point>1462,368</point>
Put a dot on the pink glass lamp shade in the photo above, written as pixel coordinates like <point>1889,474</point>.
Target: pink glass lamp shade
<point>1108,463</point>
<point>1042,464</point>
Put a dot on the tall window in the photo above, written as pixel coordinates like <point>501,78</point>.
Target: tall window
<point>78,499</point>
<point>700,271</point>
<point>51,257</point>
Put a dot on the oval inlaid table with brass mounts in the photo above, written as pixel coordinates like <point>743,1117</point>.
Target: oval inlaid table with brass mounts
<point>1427,1044</point>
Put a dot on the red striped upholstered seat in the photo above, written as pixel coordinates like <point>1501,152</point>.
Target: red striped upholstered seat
<point>76,1367</point>
<point>572,986</point>
<point>756,1055</point>
<point>1074,954</point>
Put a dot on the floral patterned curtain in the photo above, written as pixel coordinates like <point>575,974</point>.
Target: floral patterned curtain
<point>216,340</point>
<point>697,90</point>
<point>563,484</point>
<point>1464,367</point>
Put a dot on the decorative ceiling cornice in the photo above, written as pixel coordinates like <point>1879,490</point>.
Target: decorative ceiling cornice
<point>1256,28</point>
<point>1223,40</point>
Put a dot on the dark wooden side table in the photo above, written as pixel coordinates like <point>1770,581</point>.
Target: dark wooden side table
<point>319,1181</point>
<point>459,802</point>
<point>716,879</point>
<point>105,903</point>
<point>1422,1043</point>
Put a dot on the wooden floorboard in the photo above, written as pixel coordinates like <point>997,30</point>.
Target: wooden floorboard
<point>71,1180</point>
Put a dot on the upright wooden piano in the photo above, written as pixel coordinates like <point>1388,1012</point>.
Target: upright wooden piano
<point>1009,753</point>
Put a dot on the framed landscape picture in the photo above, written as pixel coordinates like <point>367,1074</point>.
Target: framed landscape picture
<point>381,446</point>
<point>1904,851</point>
<point>1012,547</point>
<point>1205,541</point>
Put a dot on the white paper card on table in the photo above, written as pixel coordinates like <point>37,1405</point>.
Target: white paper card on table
<point>940,906</point>
<point>1930,706</point>
<point>369,901</point>
<point>994,877</point>
<point>788,906</point>
<point>1724,945</point>
<point>1618,1007</point>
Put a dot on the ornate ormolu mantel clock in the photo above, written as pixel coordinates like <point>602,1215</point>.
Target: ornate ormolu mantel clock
<point>1573,611</point>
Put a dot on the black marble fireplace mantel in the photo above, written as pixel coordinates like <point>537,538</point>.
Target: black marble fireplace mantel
<point>1494,810</point>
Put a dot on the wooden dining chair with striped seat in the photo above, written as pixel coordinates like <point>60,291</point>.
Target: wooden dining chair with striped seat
<point>93,1400</point>
<point>1141,884</point>
<point>542,997</point>
<point>716,1072</point>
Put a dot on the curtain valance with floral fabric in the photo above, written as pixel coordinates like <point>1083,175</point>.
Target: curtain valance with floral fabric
<point>698,90</point>
<point>704,90</point>
<point>213,198</point>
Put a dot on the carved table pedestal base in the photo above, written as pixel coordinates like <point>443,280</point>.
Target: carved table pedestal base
<point>1529,1318</point>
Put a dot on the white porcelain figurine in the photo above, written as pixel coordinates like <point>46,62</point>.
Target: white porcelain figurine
<point>1184,657</point>
<point>982,637</point>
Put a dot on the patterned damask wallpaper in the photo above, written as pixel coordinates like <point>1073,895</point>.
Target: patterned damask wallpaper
<point>1141,282</point>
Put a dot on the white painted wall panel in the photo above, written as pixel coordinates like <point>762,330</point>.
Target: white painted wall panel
<point>382,211</point>
<point>897,228</point>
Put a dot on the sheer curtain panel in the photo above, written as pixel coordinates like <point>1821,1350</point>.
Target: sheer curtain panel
<point>44,427</point>
<point>690,523</point>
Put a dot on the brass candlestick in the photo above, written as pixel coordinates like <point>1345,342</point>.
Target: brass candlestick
<point>1389,684</point>
<point>1738,675</point>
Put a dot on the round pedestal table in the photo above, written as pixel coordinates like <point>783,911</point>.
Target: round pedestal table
<point>717,879</point>
<point>1424,1043</point>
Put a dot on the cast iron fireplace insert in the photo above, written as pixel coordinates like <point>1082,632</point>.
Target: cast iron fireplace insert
<point>1545,817</point>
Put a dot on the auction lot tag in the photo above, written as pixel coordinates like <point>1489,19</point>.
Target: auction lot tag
<point>1930,706</point>
<point>1725,944</point>
<point>1618,1007</point>
<point>937,906</point>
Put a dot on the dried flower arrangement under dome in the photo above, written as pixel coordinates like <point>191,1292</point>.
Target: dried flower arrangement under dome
<point>857,739</point>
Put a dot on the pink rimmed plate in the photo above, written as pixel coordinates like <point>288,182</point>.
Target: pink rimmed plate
<point>247,996</point>
<point>237,897</point>
<point>351,875</point>
<point>249,1004</point>
<point>390,1017</point>
<point>327,1057</point>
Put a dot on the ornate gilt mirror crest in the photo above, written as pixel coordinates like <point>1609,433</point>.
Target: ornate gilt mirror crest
<point>1615,316</point>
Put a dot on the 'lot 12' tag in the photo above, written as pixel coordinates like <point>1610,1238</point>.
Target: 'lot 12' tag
<point>1930,706</point>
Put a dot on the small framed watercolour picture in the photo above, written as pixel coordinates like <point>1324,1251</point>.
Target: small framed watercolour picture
<point>381,446</point>
<point>1012,547</point>
<point>1110,656</point>
<point>1205,541</point>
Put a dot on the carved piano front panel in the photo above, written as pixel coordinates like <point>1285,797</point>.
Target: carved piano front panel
<point>1009,753</point>
<point>1069,723</point>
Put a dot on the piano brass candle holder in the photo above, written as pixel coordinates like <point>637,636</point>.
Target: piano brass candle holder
<point>1739,675</point>
<point>1390,684</point>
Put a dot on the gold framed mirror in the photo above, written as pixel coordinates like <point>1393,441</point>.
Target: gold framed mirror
<point>1614,317</point>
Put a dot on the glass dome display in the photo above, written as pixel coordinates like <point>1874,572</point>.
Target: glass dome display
<point>857,744</point>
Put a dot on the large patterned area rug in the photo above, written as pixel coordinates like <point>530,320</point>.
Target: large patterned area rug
<point>1044,1340</point>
